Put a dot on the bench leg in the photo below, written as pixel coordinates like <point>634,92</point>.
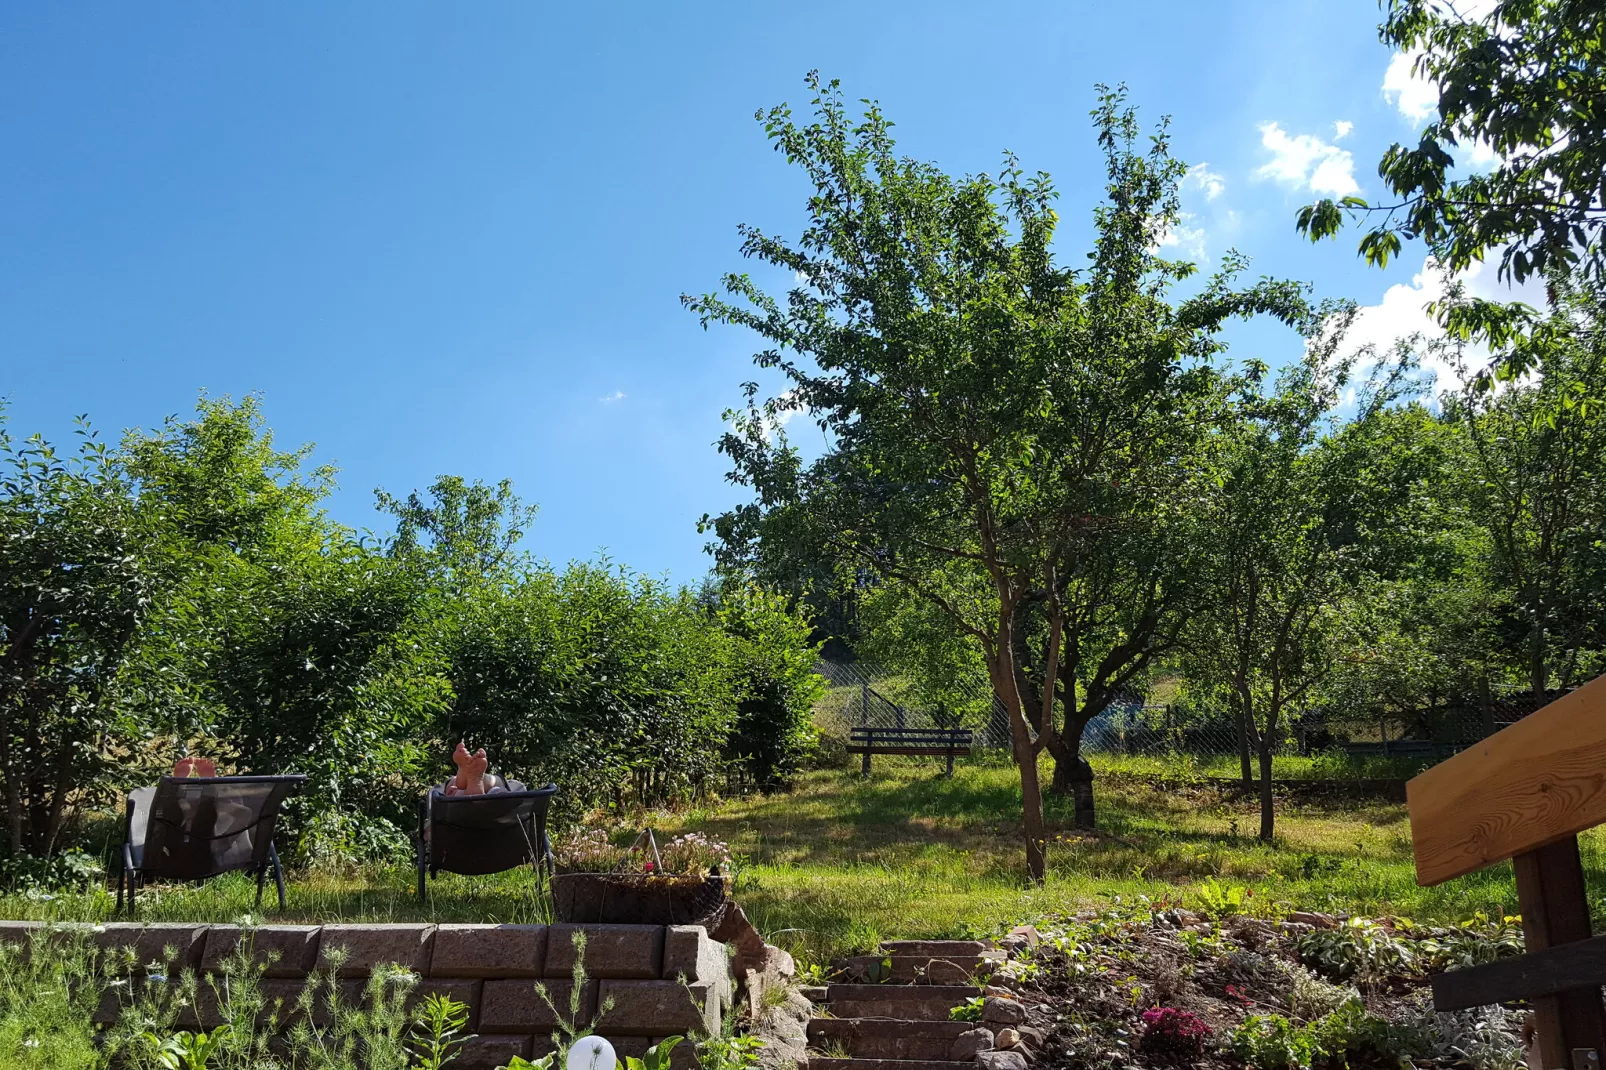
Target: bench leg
<point>950,773</point>
<point>1555,910</point>
<point>864,770</point>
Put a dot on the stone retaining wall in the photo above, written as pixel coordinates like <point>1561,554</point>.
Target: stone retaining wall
<point>650,981</point>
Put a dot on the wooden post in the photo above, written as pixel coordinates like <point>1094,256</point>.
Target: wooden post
<point>950,773</point>
<point>1570,1027</point>
<point>869,742</point>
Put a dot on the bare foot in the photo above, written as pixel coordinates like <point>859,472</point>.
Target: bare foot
<point>205,767</point>
<point>476,772</point>
<point>183,768</point>
<point>462,757</point>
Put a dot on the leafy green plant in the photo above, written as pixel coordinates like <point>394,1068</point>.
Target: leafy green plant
<point>657,1057</point>
<point>1360,949</point>
<point>1223,900</point>
<point>519,1062</point>
<point>968,1011</point>
<point>185,1050</point>
<point>730,1052</point>
<point>1272,1042</point>
<point>438,1024</point>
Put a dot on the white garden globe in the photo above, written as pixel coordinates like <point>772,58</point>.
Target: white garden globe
<point>591,1053</point>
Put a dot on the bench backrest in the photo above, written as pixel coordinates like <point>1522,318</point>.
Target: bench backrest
<point>1525,787</point>
<point>936,736</point>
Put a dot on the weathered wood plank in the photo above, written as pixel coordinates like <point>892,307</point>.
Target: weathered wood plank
<point>962,752</point>
<point>1530,976</point>
<point>1529,785</point>
<point>1555,913</point>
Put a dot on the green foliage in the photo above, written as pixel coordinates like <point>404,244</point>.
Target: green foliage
<point>76,583</point>
<point>968,1011</point>
<point>184,593</point>
<point>1223,900</point>
<point>185,1050</point>
<point>1360,949</point>
<point>1086,393</point>
<point>438,1031</point>
<point>1272,1042</point>
<point>1520,82</point>
<point>657,1057</point>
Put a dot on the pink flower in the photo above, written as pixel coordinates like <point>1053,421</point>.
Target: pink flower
<point>649,867</point>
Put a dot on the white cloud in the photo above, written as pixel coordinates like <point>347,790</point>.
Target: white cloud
<point>1341,129</point>
<point>1186,239</point>
<point>1306,161</point>
<point>1209,183</point>
<point>1416,97</point>
<point>1402,312</point>
<point>609,399</point>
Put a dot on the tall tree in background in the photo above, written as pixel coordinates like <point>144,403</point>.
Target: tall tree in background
<point>73,588</point>
<point>986,409</point>
<point>1290,530</point>
<point>1536,481</point>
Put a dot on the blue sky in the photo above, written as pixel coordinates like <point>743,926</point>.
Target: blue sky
<point>452,238</point>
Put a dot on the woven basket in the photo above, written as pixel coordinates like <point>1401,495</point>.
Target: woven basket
<point>638,898</point>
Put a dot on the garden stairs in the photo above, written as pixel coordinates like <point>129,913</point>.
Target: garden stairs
<point>900,1023</point>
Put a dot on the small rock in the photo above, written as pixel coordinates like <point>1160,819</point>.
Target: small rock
<point>1310,917</point>
<point>994,990</point>
<point>971,1043</point>
<point>1002,1011</point>
<point>1007,1038</point>
<point>1033,1035</point>
<point>1001,1060</point>
<point>1296,928</point>
<point>1028,933</point>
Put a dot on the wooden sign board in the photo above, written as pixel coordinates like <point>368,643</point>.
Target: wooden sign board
<point>1532,784</point>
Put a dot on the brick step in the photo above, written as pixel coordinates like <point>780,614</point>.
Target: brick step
<point>923,969</point>
<point>927,1003</point>
<point>881,1038</point>
<point>821,1062</point>
<point>939,948</point>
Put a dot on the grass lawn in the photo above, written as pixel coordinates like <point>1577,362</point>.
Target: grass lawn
<point>840,863</point>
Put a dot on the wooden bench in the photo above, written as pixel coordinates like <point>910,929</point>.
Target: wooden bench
<point>1525,793</point>
<point>931,741</point>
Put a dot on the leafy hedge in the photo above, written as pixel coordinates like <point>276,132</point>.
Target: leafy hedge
<point>184,592</point>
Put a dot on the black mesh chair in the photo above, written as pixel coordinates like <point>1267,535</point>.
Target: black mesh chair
<point>192,828</point>
<point>477,834</point>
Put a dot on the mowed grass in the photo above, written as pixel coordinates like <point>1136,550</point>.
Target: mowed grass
<point>840,863</point>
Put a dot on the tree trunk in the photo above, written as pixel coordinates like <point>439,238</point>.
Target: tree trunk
<point>1073,775</point>
<point>1031,788</point>
<point>1267,810</point>
<point>1245,769</point>
<point>1536,662</point>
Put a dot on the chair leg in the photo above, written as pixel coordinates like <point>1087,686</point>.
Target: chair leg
<point>262,880</point>
<point>423,891</point>
<point>278,873</point>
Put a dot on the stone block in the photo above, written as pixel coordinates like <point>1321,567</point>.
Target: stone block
<point>997,1010</point>
<point>461,989</point>
<point>969,1044</point>
<point>491,1050</point>
<point>514,1006</point>
<point>623,951</point>
<point>281,950</point>
<point>658,1008</point>
<point>629,1047</point>
<point>367,946</point>
<point>18,932</point>
<point>489,951</point>
<point>170,946</point>
<point>1000,1060</point>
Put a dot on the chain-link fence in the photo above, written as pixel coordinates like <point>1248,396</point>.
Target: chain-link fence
<point>862,694</point>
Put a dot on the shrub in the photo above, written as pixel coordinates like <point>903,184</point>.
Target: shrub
<point>1174,1035</point>
<point>1272,1042</point>
<point>1360,950</point>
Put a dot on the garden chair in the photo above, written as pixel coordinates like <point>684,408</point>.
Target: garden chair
<point>192,828</point>
<point>478,834</point>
